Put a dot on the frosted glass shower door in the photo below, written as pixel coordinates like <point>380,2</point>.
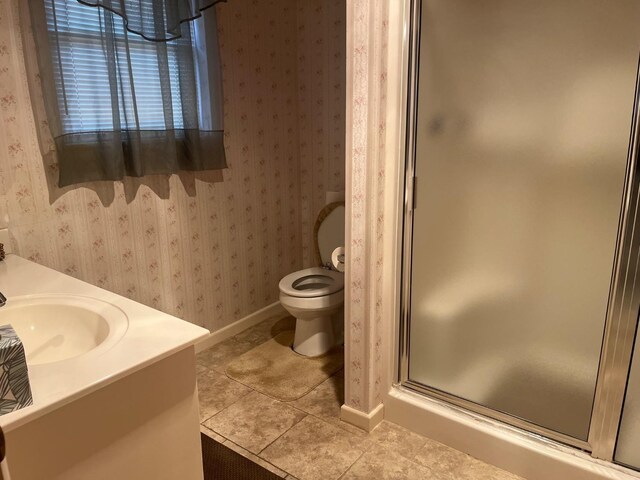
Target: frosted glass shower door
<point>523,120</point>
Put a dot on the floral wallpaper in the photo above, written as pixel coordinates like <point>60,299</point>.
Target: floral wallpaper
<point>211,247</point>
<point>4,216</point>
<point>321,113</point>
<point>367,32</point>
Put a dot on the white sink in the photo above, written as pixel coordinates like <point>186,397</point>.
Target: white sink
<point>54,328</point>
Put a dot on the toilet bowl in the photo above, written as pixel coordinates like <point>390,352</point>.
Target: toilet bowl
<point>315,296</point>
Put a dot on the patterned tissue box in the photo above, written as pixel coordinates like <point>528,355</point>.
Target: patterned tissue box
<point>15,391</point>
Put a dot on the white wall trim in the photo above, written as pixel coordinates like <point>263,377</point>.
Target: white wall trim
<point>397,81</point>
<point>365,421</point>
<point>240,325</point>
<point>506,447</point>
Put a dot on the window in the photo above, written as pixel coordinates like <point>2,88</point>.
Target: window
<point>83,69</point>
<point>120,99</point>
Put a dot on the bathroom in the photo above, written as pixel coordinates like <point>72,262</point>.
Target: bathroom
<point>202,275</point>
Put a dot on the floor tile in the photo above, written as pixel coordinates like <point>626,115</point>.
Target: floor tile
<point>398,439</point>
<point>216,391</point>
<point>267,329</point>
<point>383,464</point>
<point>211,434</point>
<point>325,401</point>
<point>255,459</point>
<point>218,357</point>
<point>442,460</point>
<point>440,457</point>
<point>305,439</point>
<point>274,369</point>
<point>315,450</point>
<point>254,421</point>
<point>477,470</point>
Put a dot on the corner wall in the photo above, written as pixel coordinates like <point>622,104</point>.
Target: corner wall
<point>375,157</point>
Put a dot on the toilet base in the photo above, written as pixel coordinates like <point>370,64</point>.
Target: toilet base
<point>314,336</point>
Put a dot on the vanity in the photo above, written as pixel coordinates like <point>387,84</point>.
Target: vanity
<point>113,383</point>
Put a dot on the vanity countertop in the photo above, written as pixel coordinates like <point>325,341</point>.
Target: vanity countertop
<point>151,335</point>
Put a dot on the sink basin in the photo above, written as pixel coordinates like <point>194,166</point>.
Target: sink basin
<point>54,328</point>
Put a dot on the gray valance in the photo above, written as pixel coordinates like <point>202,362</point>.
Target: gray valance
<point>119,105</point>
<point>155,20</point>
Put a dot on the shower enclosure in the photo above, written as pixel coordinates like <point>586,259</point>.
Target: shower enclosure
<point>520,247</point>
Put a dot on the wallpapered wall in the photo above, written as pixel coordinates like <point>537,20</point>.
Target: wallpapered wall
<point>321,99</point>
<point>209,248</point>
<point>372,145</point>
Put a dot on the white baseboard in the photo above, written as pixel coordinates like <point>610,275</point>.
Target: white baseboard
<point>365,421</point>
<point>240,325</point>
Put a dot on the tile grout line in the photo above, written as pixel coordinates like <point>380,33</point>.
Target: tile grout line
<point>306,414</point>
<point>287,403</point>
<point>275,439</point>
<point>351,466</point>
<point>258,456</point>
<point>338,425</point>
<point>374,443</point>
<point>260,452</point>
<point>223,409</point>
<point>365,450</point>
<point>228,440</point>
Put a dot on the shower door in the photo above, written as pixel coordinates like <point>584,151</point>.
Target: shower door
<point>523,113</point>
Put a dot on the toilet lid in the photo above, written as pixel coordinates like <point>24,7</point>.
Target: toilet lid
<point>329,231</point>
<point>312,282</point>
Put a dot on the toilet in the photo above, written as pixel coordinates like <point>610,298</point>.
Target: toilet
<point>315,296</point>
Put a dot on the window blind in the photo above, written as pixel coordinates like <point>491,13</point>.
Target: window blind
<point>80,64</point>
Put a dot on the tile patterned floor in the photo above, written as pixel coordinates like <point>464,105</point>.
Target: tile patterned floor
<point>305,439</point>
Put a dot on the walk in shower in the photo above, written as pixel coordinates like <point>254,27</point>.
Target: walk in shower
<point>520,241</point>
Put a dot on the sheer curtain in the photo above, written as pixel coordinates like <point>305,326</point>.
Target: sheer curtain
<point>155,20</point>
<point>128,90</point>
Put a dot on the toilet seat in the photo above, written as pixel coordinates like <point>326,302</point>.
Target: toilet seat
<point>312,282</point>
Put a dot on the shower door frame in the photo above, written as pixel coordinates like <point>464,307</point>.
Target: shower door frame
<point>621,320</point>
